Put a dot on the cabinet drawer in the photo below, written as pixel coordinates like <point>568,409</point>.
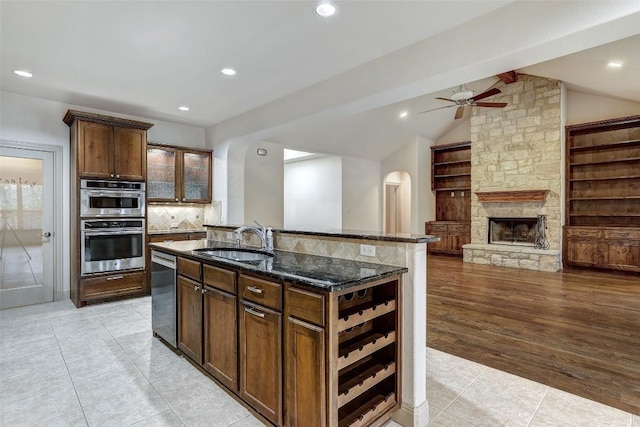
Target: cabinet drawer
<point>436,227</point>
<point>219,278</point>
<point>305,305</point>
<point>583,232</point>
<point>261,292</point>
<point>189,268</point>
<point>622,234</point>
<point>112,285</point>
<point>459,227</point>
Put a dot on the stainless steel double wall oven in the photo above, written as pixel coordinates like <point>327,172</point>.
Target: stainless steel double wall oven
<point>112,226</point>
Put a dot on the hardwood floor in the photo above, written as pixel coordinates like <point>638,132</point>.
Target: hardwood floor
<point>576,330</point>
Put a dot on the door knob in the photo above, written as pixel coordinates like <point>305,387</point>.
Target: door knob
<point>47,234</point>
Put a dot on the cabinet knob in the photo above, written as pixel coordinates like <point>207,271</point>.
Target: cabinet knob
<point>176,199</point>
<point>111,175</point>
<point>117,176</point>
<point>195,288</point>
<point>184,199</point>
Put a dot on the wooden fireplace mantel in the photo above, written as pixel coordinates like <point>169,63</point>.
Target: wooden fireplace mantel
<point>512,196</point>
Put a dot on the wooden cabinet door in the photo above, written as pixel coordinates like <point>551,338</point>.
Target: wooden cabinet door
<point>261,360</point>
<point>130,154</point>
<point>95,150</point>
<point>304,401</point>
<point>190,318</point>
<point>583,252</point>
<point>621,254</point>
<point>220,332</point>
<point>196,177</point>
<point>162,174</point>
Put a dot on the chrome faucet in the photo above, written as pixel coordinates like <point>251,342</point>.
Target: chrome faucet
<point>266,239</point>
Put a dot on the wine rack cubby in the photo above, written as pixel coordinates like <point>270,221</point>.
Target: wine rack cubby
<point>367,370</point>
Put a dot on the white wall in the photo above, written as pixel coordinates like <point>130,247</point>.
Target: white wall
<point>38,121</point>
<point>361,194</point>
<point>264,185</point>
<point>414,158</point>
<point>313,194</point>
<point>585,107</point>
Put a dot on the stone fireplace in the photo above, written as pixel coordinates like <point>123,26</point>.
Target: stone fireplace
<point>516,172</point>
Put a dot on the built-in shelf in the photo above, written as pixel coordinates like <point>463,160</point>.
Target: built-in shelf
<point>453,189</point>
<point>605,198</point>
<point>512,196</point>
<point>605,214</point>
<point>607,161</point>
<point>455,162</point>
<point>609,145</point>
<point>451,175</point>
<point>608,178</point>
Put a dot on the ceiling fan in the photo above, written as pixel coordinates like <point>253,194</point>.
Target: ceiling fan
<point>463,96</point>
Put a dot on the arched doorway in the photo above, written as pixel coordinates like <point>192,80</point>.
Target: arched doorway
<point>397,202</point>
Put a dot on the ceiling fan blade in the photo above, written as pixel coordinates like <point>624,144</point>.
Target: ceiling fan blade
<point>486,94</point>
<point>490,104</point>
<point>434,109</point>
<point>445,99</point>
<point>459,112</point>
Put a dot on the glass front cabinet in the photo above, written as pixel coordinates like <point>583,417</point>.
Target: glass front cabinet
<point>178,175</point>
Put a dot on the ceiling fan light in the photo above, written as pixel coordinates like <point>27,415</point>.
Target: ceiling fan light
<point>462,96</point>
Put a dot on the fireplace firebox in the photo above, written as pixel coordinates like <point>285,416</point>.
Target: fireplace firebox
<point>513,231</point>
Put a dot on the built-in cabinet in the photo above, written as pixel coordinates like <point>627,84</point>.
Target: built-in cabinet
<point>297,356</point>
<point>451,182</point>
<point>178,174</point>
<point>109,148</point>
<point>603,194</point>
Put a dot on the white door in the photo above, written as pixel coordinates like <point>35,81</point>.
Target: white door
<point>26,227</point>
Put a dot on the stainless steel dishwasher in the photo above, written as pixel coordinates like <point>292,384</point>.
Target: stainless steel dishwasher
<point>163,296</point>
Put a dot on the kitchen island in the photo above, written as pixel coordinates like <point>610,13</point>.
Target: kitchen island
<point>303,339</point>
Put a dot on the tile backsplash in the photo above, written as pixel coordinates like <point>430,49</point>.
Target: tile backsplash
<point>183,217</point>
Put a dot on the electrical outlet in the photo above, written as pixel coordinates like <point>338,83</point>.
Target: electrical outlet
<point>174,225</point>
<point>368,250</point>
<point>453,194</point>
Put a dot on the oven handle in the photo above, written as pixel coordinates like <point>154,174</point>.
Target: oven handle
<point>112,233</point>
<point>100,193</point>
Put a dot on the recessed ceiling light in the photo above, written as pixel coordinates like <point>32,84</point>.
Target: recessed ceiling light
<point>325,9</point>
<point>183,108</point>
<point>23,73</point>
<point>403,114</point>
<point>614,64</point>
<point>228,71</point>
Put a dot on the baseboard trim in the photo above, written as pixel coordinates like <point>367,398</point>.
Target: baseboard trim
<point>410,416</point>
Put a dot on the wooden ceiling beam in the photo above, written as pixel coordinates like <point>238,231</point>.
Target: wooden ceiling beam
<point>508,77</point>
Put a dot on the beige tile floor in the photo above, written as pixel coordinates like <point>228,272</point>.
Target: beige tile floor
<point>100,366</point>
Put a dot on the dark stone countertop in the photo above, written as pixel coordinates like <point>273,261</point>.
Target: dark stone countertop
<point>349,234</point>
<point>313,271</point>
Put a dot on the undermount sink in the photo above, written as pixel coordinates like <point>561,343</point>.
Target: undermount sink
<point>237,254</point>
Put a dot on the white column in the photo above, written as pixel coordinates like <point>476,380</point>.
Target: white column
<point>414,411</point>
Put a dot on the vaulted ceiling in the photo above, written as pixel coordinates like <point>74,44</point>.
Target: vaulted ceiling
<point>333,85</point>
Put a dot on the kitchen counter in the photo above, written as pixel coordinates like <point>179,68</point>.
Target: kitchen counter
<point>174,231</point>
<point>316,272</point>
<point>346,234</point>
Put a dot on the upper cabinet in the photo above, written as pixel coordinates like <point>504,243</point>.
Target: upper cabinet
<point>108,147</point>
<point>176,174</point>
